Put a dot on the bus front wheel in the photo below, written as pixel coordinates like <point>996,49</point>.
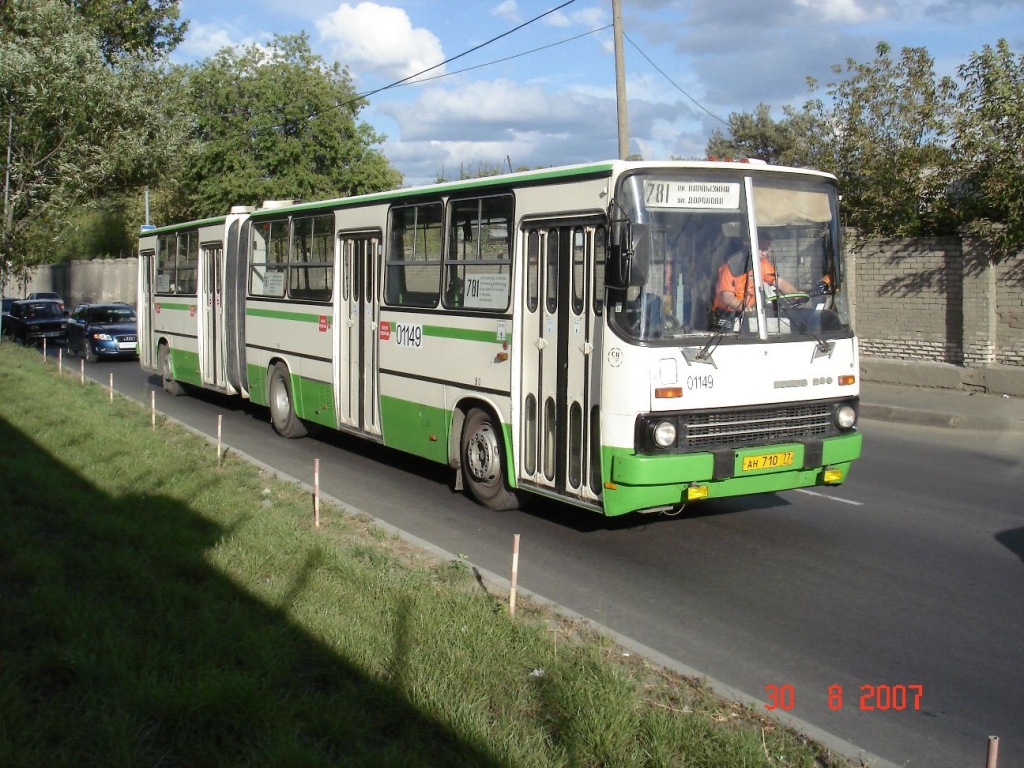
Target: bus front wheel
<point>483,462</point>
<point>282,409</point>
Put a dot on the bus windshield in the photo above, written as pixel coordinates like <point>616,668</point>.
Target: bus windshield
<point>736,254</point>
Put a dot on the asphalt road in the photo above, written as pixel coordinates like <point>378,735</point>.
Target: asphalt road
<point>888,612</point>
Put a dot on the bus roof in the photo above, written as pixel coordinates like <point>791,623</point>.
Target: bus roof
<point>518,178</point>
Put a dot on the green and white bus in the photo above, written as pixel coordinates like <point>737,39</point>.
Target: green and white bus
<point>547,332</point>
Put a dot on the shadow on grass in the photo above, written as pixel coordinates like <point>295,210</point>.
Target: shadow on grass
<point>120,645</point>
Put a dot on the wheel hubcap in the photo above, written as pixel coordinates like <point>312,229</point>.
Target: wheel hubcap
<point>482,456</point>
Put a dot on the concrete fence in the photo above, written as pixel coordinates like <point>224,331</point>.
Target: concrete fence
<point>934,312</point>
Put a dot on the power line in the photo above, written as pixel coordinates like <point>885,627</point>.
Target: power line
<point>509,58</point>
<point>465,53</point>
<point>676,85</point>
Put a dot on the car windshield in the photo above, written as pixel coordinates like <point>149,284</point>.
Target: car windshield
<point>43,309</point>
<point>688,227</point>
<point>113,315</point>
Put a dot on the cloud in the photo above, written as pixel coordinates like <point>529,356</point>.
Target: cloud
<point>494,122</point>
<point>205,40</point>
<point>842,11</point>
<point>379,40</point>
<point>508,10</point>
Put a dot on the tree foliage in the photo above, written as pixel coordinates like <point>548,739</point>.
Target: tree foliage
<point>889,124</point>
<point>786,142</point>
<point>989,147</point>
<point>915,154</point>
<point>275,122</point>
<point>75,126</point>
<point>133,27</point>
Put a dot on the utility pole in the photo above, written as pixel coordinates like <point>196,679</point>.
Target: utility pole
<point>620,80</point>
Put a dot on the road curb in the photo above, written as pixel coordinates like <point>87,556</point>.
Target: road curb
<point>902,415</point>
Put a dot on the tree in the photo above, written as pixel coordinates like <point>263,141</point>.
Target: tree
<point>133,27</point>
<point>786,142</point>
<point>988,157</point>
<point>75,127</point>
<point>889,125</point>
<point>275,122</point>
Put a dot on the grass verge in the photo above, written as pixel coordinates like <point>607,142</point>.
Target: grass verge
<point>158,608</point>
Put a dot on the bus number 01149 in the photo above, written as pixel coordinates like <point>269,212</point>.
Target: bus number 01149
<point>408,335</point>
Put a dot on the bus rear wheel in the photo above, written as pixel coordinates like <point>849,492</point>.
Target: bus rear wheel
<point>282,409</point>
<point>483,462</point>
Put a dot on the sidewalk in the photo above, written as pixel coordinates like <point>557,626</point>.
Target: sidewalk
<point>941,408</point>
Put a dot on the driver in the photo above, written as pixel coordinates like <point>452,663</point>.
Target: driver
<point>735,288</point>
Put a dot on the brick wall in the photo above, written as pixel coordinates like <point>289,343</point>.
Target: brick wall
<point>938,300</point>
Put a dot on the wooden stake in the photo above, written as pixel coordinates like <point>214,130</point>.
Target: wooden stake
<point>993,752</point>
<point>515,576</point>
<point>111,387</point>
<point>220,420</point>
<point>60,361</point>
<point>82,369</point>
<point>152,408</point>
<point>316,493</point>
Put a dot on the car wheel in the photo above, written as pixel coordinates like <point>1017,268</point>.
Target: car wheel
<point>87,352</point>
<point>171,386</point>
<point>282,409</point>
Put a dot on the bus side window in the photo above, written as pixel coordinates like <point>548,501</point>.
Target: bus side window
<point>413,276</point>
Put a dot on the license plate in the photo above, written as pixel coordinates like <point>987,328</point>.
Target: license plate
<point>126,345</point>
<point>767,461</point>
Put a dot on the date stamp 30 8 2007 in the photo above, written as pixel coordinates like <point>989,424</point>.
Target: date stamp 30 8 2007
<point>880,698</point>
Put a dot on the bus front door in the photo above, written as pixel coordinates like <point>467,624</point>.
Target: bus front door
<point>356,361</point>
<point>560,387</point>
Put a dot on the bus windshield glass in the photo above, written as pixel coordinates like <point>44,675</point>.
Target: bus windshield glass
<point>732,254</point>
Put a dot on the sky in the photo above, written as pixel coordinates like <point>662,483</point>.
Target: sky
<point>543,93</point>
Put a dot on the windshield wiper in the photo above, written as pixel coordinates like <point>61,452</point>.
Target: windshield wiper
<point>821,348</point>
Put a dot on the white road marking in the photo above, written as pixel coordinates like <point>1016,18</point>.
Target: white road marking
<point>830,497</point>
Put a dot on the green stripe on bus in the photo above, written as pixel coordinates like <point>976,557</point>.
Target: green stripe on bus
<point>277,314</point>
<point>447,332</point>
<point>415,428</point>
<point>174,306</point>
<point>185,367</point>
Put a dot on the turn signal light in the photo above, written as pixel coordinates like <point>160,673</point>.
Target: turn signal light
<point>845,381</point>
<point>696,492</point>
<point>668,392</point>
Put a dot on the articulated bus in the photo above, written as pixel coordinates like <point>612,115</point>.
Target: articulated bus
<point>554,332</point>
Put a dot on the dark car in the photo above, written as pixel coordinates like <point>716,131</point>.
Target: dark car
<point>103,330</point>
<point>48,295</point>
<point>30,321</point>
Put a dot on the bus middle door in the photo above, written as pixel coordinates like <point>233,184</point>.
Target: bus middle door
<point>356,363</point>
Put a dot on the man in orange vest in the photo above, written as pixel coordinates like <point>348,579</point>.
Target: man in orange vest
<point>735,287</point>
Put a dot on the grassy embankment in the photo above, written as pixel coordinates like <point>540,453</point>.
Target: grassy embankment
<point>161,609</point>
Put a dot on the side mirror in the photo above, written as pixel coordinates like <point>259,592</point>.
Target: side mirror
<point>620,255</point>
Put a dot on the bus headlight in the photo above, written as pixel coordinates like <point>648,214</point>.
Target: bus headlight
<point>845,416</point>
<point>664,434</point>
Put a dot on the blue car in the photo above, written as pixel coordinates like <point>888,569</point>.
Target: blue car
<point>103,330</point>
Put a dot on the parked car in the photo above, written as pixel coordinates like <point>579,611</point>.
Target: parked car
<point>8,301</point>
<point>48,295</point>
<point>103,330</point>
<point>30,321</point>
